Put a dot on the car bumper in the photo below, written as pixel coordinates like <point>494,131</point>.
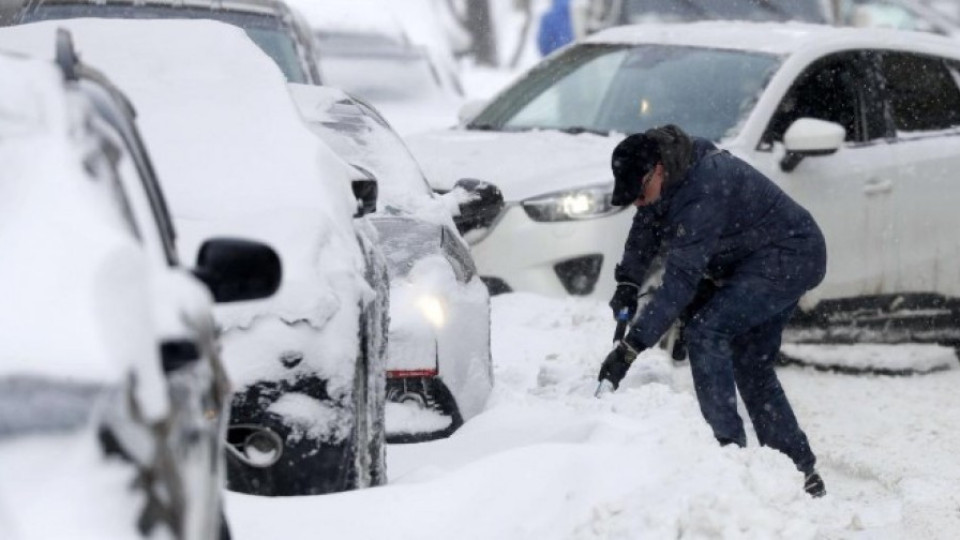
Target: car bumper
<point>553,259</point>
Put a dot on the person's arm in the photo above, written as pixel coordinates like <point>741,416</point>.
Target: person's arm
<point>643,244</point>
<point>699,226</point>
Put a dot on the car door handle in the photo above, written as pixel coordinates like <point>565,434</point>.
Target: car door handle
<point>876,186</point>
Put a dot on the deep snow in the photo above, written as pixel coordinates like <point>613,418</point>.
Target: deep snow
<point>547,460</point>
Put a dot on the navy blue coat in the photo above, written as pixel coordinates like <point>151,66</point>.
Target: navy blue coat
<point>723,220</point>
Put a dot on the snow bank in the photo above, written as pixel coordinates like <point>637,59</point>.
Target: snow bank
<point>52,482</point>
<point>547,460</point>
<point>917,358</point>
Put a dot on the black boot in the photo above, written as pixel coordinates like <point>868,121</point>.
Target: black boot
<point>813,485</point>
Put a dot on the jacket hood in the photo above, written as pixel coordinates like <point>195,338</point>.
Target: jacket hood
<point>676,151</point>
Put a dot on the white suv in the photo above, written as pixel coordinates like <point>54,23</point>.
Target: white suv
<point>859,126</point>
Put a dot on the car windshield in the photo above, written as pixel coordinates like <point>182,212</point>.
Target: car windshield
<point>629,89</point>
<point>752,10</point>
<point>266,31</point>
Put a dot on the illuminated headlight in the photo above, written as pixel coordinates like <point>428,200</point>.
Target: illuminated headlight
<point>586,203</point>
<point>433,310</point>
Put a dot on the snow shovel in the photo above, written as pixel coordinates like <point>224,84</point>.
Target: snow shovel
<point>623,318</point>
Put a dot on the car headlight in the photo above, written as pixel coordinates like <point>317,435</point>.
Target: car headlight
<point>433,310</point>
<point>586,203</point>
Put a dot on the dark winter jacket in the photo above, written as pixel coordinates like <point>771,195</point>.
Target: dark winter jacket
<point>718,218</point>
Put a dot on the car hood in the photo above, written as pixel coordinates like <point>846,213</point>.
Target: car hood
<point>522,165</point>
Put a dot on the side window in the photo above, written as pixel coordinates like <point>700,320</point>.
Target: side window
<point>839,89</point>
<point>923,95</point>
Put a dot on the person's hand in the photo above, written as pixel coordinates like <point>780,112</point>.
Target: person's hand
<point>615,367</point>
<point>625,301</point>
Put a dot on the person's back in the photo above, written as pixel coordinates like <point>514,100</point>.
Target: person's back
<point>753,217</point>
<point>739,255</point>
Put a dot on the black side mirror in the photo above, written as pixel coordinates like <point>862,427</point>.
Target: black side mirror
<point>365,191</point>
<point>176,354</point>
<point>236,270</point>
<point>482,206</point>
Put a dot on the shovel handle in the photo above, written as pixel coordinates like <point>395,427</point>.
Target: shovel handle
<point>620,331</point>
<point>623,317</point>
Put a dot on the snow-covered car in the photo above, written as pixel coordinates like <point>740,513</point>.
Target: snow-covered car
<point>365,51</point>
<point>857,125</point>
<point>279,31</point>
<point>602,14</point>
<point>235,158</point>
<point>133,370</point>
<point>439,369</point>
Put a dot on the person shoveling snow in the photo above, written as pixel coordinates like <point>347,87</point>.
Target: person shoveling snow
<point>739,251</point>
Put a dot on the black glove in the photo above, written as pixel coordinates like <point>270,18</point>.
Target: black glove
<point>625,298</point>
<point>615,367</point>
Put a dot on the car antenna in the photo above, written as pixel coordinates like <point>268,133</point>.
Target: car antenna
<point>66,55</point>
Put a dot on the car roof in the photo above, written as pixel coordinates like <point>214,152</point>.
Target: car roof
<point>774,38</point>
<point>264,7</point>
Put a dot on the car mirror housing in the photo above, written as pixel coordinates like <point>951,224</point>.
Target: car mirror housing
<point>809,137</point>
<point>235,270</point>
<point>365,191</point>
<point>177,354</point>
<point>479,202</point>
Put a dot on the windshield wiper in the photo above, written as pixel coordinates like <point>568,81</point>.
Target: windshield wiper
<point>483,127</point>
<point>576,130</point>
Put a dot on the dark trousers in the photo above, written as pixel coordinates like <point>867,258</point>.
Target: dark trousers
<point>733,337</point>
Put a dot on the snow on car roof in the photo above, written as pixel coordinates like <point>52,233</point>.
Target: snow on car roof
<point>773,38</point>
<point>231,152</point>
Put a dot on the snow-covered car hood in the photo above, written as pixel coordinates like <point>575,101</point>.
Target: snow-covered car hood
<point>522,165</point>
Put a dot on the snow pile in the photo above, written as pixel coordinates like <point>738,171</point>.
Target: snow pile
<point>874,357</point>
<point>412,418</point>
<point>60,486</point>
<point>547,460</point>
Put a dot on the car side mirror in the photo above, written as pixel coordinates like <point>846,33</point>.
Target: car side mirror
<point>365,191</point>
<point>178,353</point>
<point>236,270</point>
<point>810,137</point>
<point>470,110</point>
<point>479,204</point>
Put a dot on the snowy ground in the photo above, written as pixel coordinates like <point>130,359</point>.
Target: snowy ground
<point>546,460</point>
